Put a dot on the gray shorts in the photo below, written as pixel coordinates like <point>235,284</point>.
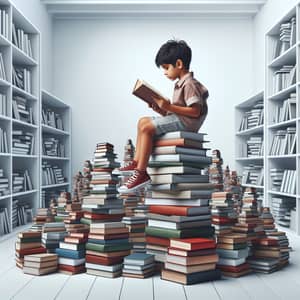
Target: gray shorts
<point>169,123</point>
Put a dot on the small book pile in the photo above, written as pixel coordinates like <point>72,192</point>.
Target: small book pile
<point>44,215</point>
<point>255,146</point>
<point>137,237</point>
<point>21,110</point>
<point>3,141</point>
<point>233,252</point>
<point>139,265</point>
<point>223,213</point>
<point>191,261</point>
<point>52,174</point>
<point>249,224</point>
<point>71,254</point>
<point>107,246</point>
<point>23,142</point>
<point>53,147</point>
<point>52,118</point>
<point>253,117</point>
<point>179,193</point>
<point>216,171</point>
<point>40,264</point>
<point>281,209</point>
<point>28,242</point>
<point>4,185</point>
<point>52,234</point>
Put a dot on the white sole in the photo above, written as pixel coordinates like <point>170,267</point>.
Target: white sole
<point>127,191</point>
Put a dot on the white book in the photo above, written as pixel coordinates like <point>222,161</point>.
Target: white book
<point>71,261</point>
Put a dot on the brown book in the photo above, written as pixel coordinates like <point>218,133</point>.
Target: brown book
<point>232,239</point>
<point>190,261</point>
<point>147,93</point>
<point>34,271</point>
<point>179,142</point>
<point>71,270</point>
<point>108,230</point>
<point>23,252</point>
<point>107,261</point>
<point>40,265</point>
<point>43,257</point>
<point>22,246</point>
<point>29,234</point>
<point>190,269</point>
<point>187,253</point>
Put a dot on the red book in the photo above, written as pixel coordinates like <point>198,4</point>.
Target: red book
<point>102,216</point>
<point>107,261</point>
<point>192,243</point>
<point>72,269</point>
<point>223,220</point>
<point>38,250</point>
<point>242,267</point>
<point>157,241</point>
<point>172,210</point>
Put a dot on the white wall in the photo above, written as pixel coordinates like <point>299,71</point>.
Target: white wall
<point>270,14</point>
<point>96,63</point>
<point>37,14</point>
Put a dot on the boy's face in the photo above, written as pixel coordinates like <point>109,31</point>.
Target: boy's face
<point>170,71</point>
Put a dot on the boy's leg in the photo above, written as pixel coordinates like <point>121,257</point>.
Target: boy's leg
<point>141,124</point>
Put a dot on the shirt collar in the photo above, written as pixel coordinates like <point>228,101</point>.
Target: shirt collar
<point>180,82</point>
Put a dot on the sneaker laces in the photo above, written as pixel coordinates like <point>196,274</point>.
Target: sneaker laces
<point>133,177</point>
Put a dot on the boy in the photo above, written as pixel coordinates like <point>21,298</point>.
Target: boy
<point>187,111</point>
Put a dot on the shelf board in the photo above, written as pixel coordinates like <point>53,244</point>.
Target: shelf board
<point>281,124</point>
<point>6,118</point>
<point>282,194</point>
<point>286,58</point>
<point>54,185</point>
<point>250,101</point>
<point>50,129</point>
<point>282,156</point>
<point>23,93</point>
<point>51,100</point>
<point>4,82</point>
<point>24,155</point>
<point>5,197</point>
<point>253,185</point>
<point>249,158</point>
<point>257,129</point>
<point>5,153</point>
<point>16,121</point>
<point>4,41</point>
<point>20,57</point>
<point>55,158</point>
<point>283,93</point>
<point>24,193</point>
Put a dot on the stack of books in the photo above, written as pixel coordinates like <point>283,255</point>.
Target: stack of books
<point>255,146</point>
<point>3,104</point>
<point>4,185</point>
<point>139,265</point>
<point>3,141</point>
<point>52,234</point>
<point>179,193</point>
<point>21,110</point>
<point>286,111</point>
<point>44,215</point>
<point>23,142</point>
<point>223,213</point>
<point>232,185</point>
<point>281,210</point>
<point>22,213</point>
<point>254,117</point>
<point>52,118</point>
<point>21,78</point>
<point>22,40</point>
<point>191,261</point>
<point>216,171</point>
<point>268,220</point>
<point>249,224</point>
<point>21,181</point>
<point>53,147</point>
<point>63,200</point>
<point>52,174</point>
<point>284,142</point>
<point>284,77</point>
<point>28,242</point>
<point>40,264</point>
<point>253,174</point>
<point>233,252</point>
<point>71,253</point>
<point>137,237</point>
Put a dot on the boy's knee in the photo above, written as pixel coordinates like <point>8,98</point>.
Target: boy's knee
<point>143,121</point>
<point>148,127</point>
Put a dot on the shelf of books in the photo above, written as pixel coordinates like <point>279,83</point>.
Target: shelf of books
<point>55,147</point>
<point>282,121</point>
<point>19,118</point>
<point>249,137</point>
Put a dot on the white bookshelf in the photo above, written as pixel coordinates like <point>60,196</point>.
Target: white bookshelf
<point>243,134</point>
<point>275,95</point>
<point>14,56</point>
<point>63,135</point>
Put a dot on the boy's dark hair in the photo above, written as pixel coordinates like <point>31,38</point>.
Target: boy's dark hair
<point>173,50</point>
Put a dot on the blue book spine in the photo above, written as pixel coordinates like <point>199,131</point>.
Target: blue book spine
<point>70,253</point>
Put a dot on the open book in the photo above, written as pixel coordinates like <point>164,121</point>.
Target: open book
<point>146,92</point>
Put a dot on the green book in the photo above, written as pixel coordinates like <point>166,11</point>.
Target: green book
<point>58,219</point>
<point>107,248</point>
<point>184,233</point>
<point>29,240</point>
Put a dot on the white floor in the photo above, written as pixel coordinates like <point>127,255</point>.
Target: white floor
<point>284,284</point>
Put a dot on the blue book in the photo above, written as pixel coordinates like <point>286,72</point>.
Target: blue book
<point>70,253</point>
<point>108,242</point>
<point>139,259</point>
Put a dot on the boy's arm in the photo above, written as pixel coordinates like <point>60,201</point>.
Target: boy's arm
<point>190,111</point>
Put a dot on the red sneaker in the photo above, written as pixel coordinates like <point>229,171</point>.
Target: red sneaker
<point>137,180</point>
<point>129,168</point>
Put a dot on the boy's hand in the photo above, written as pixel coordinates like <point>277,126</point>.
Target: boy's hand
<point>162,103</point>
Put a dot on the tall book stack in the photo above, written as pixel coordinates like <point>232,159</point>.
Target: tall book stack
<point>21,110</point>
<point>216,171</point>
<point>28,242</point>
<point>249,224</point>
<point>179,193</point>
<point>4,184</point>
<point>40,264</point>
<point>233,251</point>
<point>3,141</point>
<point>233,186</point>
<point>23,142</point>
<point>139,265</point>
<point>71,254</point>
<point>77,187</point>
<point>63,200</point>
<point>223,213</point>
<point>52,234</point>
<point>191,261</point>
<point>103,211</point>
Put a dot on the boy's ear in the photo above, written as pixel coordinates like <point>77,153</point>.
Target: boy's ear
<point>179,64</point>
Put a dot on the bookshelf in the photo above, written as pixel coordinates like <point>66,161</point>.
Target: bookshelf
<point>249,136</point>
<point>19,116</point>
<point>282,120</point>
<point>55,147</point>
